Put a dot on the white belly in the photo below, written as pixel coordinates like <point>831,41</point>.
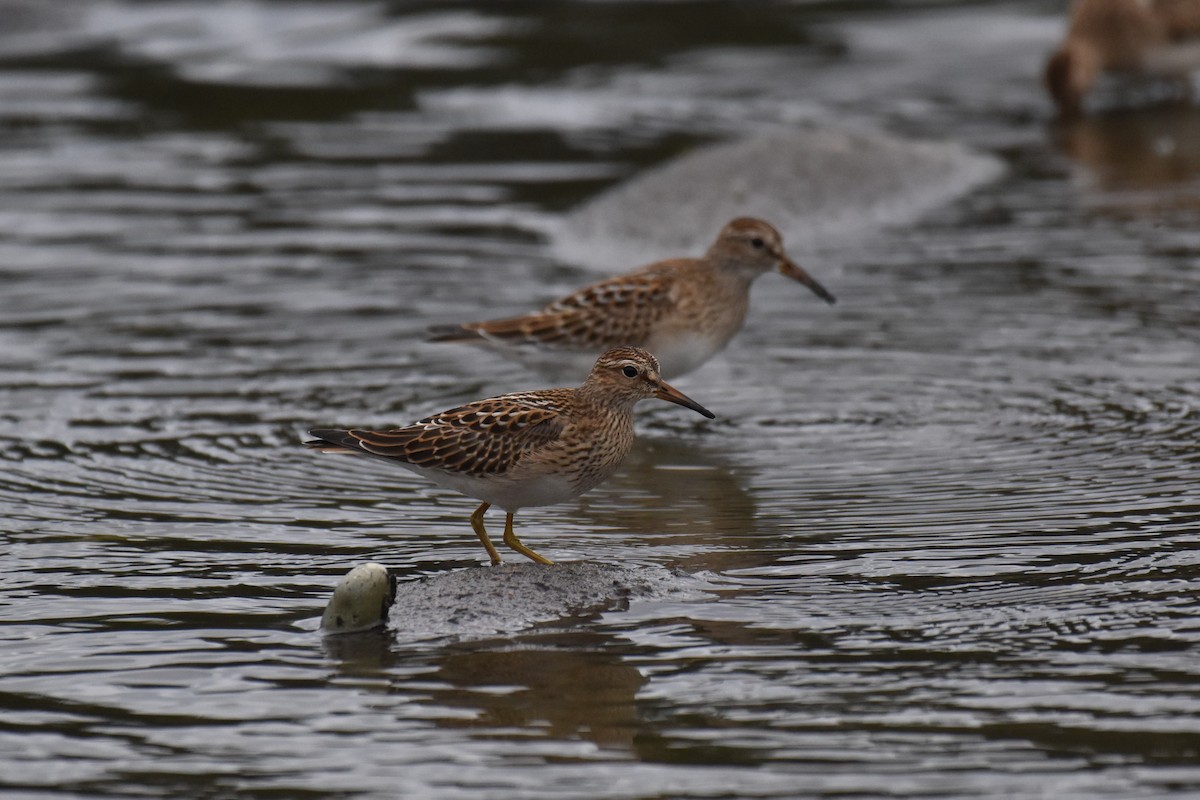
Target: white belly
<point>504,492</point>
<point>678,355</point>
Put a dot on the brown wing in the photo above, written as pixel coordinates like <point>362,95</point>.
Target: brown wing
<point>616,311</point>
<point>486,437</point>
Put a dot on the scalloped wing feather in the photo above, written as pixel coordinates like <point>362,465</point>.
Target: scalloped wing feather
<point>620,310</point>
<point>486,437</point>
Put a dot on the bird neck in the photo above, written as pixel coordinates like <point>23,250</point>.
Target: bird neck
<point>1071,72</point>
<point>731,272</point>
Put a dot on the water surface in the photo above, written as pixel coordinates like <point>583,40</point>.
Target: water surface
<point>950,525</point>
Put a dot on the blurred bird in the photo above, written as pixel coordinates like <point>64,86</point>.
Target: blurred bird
<point>1150,38</point>
<point>685,310</point>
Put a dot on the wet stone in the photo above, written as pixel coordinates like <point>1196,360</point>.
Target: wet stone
<point>513,597</point>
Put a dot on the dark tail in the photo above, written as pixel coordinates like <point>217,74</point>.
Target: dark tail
<point>331,440</point>
<point>450,333</point>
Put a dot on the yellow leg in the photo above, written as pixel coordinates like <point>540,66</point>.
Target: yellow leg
<point>512,541</point>
<point>477,524</point>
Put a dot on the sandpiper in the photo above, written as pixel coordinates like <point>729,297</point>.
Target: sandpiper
<point>1151,38</point>
<point>684,310</point>
<point>525,449</point>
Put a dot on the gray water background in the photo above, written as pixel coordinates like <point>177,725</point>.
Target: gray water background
<point>949,526</point>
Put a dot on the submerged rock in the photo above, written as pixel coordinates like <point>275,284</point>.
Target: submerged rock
<point>819,187</point>
<point>487,600</point>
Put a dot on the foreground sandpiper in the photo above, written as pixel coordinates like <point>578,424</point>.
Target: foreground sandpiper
<point>525,449</point>
<point>684,310</point>
<point>1151,38</point>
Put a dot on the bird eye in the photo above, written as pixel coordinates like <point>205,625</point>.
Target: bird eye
<point>756,243</point>
<point>630,372</point>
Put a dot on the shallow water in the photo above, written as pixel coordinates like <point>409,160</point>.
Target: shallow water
<point>950,526</point>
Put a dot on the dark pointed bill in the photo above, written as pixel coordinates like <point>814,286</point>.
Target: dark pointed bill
<point>794,272</point>
<point>669,393</point>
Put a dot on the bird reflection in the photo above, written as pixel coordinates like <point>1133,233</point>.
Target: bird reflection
<point>1138,150</point>
<point>567,692</point>
<point>683,495</point>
